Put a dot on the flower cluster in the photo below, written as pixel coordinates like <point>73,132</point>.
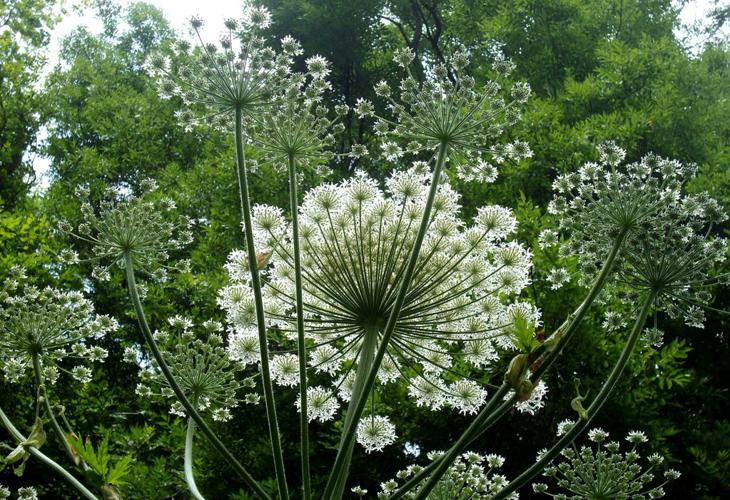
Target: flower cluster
<point>239,73</point>
<point>27,493</point>
<point>137,227</point>
<point>50,325</point>
<point>606,471</point>
<point>296,123</point>
<point>471,477</point>
<point>201,368</point>
<point>448,109</point>
<point>375,432</point>
<point>355,242</point>
<point>668,247</point>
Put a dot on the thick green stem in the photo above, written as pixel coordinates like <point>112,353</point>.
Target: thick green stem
<point>301,346</point>
<point>189,477</point>
<point>592,410</point>
<point>364,362</point>
<point>489,414</point>
<point>46,460</point>
<point>357,405</point>
<point>54,423</point>
<point>260,318</point>
<point>189,407</point>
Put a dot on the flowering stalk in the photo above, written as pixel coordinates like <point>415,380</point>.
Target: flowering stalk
<point>41,386</point>
<point>189,478</point>
<point>593,409</point>
<point>43,458</point>
<point>179,393</point>
<point>364,362</point>
<point>489,415</point>
<point>256,286</point>
<point>336,481</point>
<point>301,346</point>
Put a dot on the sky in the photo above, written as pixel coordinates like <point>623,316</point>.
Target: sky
<point>178,12</point>
<point>213,12</point>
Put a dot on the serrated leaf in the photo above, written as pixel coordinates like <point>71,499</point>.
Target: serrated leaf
<point>119,471</point>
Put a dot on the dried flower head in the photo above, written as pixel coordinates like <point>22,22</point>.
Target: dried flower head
<point>53,326</point>
<point>604,471</point>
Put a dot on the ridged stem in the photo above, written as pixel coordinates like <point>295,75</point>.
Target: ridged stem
<point>364,362</point>
<point>260,317</point>
<point>339,470</point>
<point>301,345</point>
<point>189,407</point>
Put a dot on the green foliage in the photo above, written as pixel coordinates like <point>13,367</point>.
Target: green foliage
<point>24,32</point>
<point>601,70</point>
<point>99,461</point>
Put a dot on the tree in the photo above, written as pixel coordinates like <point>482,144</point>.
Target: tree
<point>24,32</point>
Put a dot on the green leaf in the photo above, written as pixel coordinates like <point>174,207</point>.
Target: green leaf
<point>119,471</point>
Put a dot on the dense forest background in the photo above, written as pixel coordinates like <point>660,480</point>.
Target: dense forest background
<point>600,69</point>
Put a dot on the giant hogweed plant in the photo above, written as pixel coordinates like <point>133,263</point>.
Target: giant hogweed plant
<point>365,284</point>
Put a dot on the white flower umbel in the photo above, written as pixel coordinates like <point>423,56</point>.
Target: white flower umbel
<point>237,73</point>
<point>472,476</point>
<point>51,326</point>
<point>202,368</point>
<point>375,432</point>
<point>322,404</point>
<point>604,471</point>
<point>355,241</point>
<point>296,125</point>
<point>449,108</point>
<point>668,245</point>
<point>120,226</point>
<point>27,493</point>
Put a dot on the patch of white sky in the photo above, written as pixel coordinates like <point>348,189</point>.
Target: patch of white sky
<point>694,16</point>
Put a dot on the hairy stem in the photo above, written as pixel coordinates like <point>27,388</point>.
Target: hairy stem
<point>489,414</point>
<point>301,346</point>
<point>46,460</point>
<point>189,477</point>
<point>189,407</point>
<point>258,299</point>
<point>54,423</point>
<point>592,410</point>
<point>339,470</point>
